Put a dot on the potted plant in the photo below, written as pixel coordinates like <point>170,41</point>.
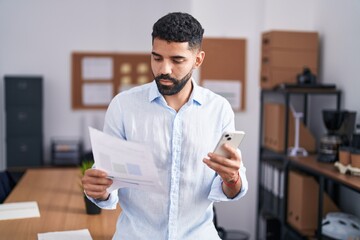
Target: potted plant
<point>90,207</point>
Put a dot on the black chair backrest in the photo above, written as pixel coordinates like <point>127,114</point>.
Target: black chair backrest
<point>6,185</point>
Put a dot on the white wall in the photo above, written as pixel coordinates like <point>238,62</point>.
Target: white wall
<point>38,36</point>
<point>339,25</point>
<point>289,15</point>
<point>240,19</point>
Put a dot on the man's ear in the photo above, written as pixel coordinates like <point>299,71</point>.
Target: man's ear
<point>199,58</point>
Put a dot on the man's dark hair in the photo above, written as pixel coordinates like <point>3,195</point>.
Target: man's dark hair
<point>179,27</point>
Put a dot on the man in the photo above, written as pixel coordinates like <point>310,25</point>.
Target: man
<point>182,123</point>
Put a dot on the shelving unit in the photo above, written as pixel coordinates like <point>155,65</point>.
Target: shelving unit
<point>324,172</point>
<point>272,194</point>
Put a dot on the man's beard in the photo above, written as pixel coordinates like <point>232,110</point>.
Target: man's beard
<point>177,86</point>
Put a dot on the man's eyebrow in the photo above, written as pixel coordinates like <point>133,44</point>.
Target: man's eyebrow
<point>178,57</point>
<point>172,57</point>
<point>156,54</point>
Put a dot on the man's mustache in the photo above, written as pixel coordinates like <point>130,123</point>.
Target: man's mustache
<point>167,77</point>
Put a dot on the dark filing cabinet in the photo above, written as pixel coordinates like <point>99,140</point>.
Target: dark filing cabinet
<point>24,114</point>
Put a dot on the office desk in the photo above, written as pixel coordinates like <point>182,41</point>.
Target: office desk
<point>61,204</point>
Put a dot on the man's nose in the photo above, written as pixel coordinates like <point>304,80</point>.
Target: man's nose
<point>165,68</point>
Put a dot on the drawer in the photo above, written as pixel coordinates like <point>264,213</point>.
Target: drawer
<point>23,90</point>
<point>24,151</point>
<point>22,121</point>
<point>290,40</point>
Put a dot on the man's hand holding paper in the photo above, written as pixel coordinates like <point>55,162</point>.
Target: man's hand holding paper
<point>122,164</point>
<point>95,183</point>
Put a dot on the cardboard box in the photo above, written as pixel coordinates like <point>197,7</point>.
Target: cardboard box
<point>285,54</point>
<point>274,130</point>
<point>303,198</point>
<point>295,40</point>
<point>272,76</point>
<point>289,59</point>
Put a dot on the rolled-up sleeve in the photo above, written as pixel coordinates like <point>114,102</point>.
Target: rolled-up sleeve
<point>110,203</point>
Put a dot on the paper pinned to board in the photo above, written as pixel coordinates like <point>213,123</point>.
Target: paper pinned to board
<point>229,89</point>
<point>82,234</point>
<point>97,68</point>
<point>128,164</point>
<point>97,94</point>
<point>19,210</point>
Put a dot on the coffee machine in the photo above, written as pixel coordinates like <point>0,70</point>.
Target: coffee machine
<point>340,126</point>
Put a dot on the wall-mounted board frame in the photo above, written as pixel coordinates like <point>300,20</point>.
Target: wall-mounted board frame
<point>224,69</point>
<point>98,77</point>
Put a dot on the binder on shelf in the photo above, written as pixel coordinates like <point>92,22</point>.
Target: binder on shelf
<point>272,184</point>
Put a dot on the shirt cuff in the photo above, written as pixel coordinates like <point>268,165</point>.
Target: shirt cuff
<point>217,194</point>
<point>110,203</point>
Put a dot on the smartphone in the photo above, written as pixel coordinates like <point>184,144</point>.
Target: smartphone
<point>233,138</point>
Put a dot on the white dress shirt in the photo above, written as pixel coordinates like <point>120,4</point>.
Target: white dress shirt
<point>179,142</point>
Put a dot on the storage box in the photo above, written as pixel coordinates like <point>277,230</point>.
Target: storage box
<point>285,54</point>
<point>295,40</point>
<point>280,58</point>
<point>272,76</point>
<point>303,198</point>
<point>274,130</point>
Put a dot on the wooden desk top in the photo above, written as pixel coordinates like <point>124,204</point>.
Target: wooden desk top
<point>327,169</point>
<point>61,204</point>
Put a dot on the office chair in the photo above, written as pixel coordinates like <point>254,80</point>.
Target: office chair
<point>229,234</point>
<point>220,230</point>
<point>7,183</point>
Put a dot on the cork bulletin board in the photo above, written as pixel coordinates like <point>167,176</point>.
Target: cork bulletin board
<point>98,77</point>
<point>223,70</point>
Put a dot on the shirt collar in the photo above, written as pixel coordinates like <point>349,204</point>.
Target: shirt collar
<point>195,96</point>
<point>154,92</point>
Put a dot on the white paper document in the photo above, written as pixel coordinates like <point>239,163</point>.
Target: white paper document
<point>128,164</point>
<point>97,93</point>
<point>97,68</point>
<point>82,234</point>
<point>19,210</point>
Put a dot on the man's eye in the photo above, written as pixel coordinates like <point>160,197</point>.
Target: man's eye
<point>157,58</point>
<point>178,60</point>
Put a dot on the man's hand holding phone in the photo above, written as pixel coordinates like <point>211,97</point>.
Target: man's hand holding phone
<point>226,161</point>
